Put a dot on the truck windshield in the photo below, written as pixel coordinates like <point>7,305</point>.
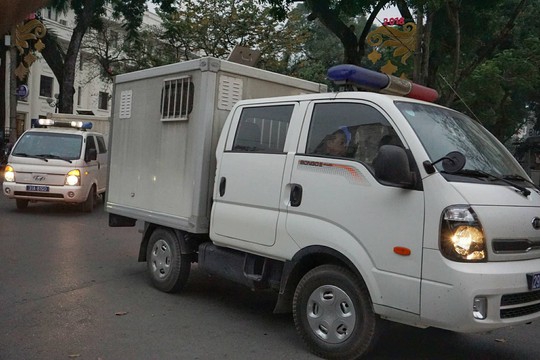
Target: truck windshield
<point>443,130</point>
<point>49,146</point>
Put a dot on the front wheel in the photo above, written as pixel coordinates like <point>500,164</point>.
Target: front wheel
<point>333,313</point>
<point>167,266</point>
<point>88,204</point>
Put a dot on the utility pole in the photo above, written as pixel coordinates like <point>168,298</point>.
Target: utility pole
<point>13,91</point>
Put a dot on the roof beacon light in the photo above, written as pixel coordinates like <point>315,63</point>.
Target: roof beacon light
<point>87,125</point>
<point>379,82</point>
<point>45,122</point>
<point>81,125</point>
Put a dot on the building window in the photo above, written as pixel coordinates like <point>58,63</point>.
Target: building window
<point>80,61</point>
<point>103,100</point>
<point>51,14</point>
<point>114,38</point>
<point>79,95</point>
<point>46,86</point>
<point>177,99</point>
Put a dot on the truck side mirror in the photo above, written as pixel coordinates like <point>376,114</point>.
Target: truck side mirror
<point>391,166</point>
<point>91,154</point>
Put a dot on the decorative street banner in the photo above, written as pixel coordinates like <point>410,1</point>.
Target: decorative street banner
<point>394,34</point>
<point>28,35</point>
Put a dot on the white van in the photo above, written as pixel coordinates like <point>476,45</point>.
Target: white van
<point>57,162</point>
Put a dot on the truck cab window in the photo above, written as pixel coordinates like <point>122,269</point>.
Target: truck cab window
<point>263,129</point>
<point>349,130</point>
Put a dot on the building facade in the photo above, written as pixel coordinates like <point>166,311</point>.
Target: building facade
<point>93,93</point>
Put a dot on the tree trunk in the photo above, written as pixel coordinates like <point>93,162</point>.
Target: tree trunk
<point>67,89</point>
<point>3,59</point>
<point>330,19</point>
<point>417,67</point>
<point>54,56</point>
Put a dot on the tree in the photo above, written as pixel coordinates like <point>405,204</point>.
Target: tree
<point>496,77</point>
<point>115,55</point>
<point>88,14</point>
<point>336,16</point>
<point>460,45</point>
<point>215,27</point>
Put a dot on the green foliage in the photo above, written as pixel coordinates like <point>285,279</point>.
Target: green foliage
<point>214,28</point>
<point>498,87</point>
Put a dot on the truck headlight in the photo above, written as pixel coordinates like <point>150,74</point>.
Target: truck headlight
<point>73,178</point>
<point>9,174</point>
<point>462,237</point>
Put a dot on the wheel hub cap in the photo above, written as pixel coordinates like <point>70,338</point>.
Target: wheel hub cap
<point>331,314</point>
<point>160,259</point>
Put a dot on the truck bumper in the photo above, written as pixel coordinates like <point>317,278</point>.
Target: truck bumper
<point>449,290</point>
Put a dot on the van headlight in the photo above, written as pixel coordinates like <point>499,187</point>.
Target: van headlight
<point>462,237</point>
<point>9,174</point>
<point>73,178</point>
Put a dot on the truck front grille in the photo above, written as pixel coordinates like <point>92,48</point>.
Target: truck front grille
<point>511,246</point>
<point>521,304</point>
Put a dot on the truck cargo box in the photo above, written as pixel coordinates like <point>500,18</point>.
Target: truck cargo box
<point>166,122</point>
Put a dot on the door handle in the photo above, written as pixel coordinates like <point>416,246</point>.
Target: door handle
<point>222,184</point>
<point>296,195</point>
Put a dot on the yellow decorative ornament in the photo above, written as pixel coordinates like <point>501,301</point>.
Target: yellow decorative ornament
<point>31,30</point>
<point>401,38</point>
<point>389,68</point>
<point>25,32</point>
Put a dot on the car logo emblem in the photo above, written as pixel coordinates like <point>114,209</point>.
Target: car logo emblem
<point>41,178</point>
<point>536,223</point>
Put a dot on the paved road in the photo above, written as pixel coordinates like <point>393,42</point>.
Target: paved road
<point>71,288</point>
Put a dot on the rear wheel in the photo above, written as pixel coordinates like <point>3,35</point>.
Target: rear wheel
<point>333,313</point>
<point>21,204</point>
<point>167,266</point>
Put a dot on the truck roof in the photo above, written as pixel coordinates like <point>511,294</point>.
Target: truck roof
<point>360,95</point>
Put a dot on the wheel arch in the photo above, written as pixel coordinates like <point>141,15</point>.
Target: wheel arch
<point>302,262</point>
<point>188,243</point>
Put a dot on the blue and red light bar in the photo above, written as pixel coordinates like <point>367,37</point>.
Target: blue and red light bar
<point>379,82</point>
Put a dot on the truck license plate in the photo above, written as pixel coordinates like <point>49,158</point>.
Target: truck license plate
<point>40,188</point>
<point>533,281</point>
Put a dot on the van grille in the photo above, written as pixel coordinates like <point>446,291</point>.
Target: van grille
<point>39,194</point>
<point>521,304</point>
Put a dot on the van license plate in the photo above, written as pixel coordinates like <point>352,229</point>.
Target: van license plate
<point>40,188</point>
<point>533,280</point>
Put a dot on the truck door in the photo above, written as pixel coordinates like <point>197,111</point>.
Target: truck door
<point>250,175</point>
<point>337,202</point>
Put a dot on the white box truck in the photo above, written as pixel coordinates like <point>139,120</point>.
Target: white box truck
<point>357,207</point>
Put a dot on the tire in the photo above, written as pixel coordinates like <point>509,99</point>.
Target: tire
<point>333,313</point>
<point>88,204</point>
<point>21,204</point>
<point>167,266</point>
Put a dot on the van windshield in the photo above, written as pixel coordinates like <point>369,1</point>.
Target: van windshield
<point>443,130</point>
<point>49,145</point>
